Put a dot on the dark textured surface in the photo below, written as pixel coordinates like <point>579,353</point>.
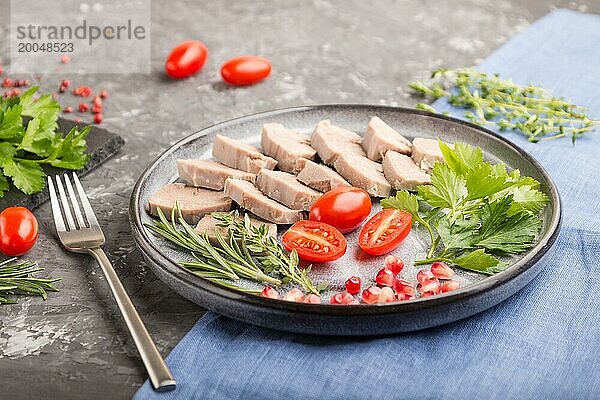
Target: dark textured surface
<point>101,145</point>
<point>477,292</point>
<point>75,345</point>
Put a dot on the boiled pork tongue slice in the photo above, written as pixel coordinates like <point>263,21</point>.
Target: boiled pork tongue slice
<point>238,155</point>
<point>402,172</point>
<point>330,141</point>
<point>286,189</point>
<point>286,146</point>
<point>209,174</point>
<point>380,137</point>
<point>320,177</point>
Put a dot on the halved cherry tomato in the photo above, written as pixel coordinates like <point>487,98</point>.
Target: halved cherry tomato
<point>186,59</point>
<point>315,241</point>
<point>385,231</point>
<point>344,207</point>
<point>245,70</point>
<point>18,231</point>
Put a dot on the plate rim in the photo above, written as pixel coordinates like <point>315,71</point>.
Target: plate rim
<point>544,244</point>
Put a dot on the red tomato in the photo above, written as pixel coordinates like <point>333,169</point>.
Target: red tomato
<point>315,241</point>
<point>385,231</point>
<point>186,59</point>
<point>18,231</point>
<point>245,70</point>
<point>344,207</point>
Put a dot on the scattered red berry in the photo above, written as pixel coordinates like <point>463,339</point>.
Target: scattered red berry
<point>68,109</point>
<point>84,107</point>
<point>394,264</point>
<point>65,83</point>
<point>432,286</point>
<point>387,295</point>
<point>343,298</point>
<point>371,294</point>
<point>312,299</point>
<point>97,101</point>
<point>424,276</point>
<point>98,118</point>
<point>65,59</point>
<point>449,286</point>
<point>103,94</point>
<point>293,295</point>
<point>16,92</point>
<point>96,109</point>
<point>7,82</point>
<point>269,292</point>
<point>404,287</point>
<point>385,277</point>
<point>353,285</point>
<point>442,271</point>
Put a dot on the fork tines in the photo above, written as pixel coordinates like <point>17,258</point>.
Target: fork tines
<point>66,206</point>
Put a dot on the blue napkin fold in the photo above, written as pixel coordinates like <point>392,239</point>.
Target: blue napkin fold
<point>542,343</point>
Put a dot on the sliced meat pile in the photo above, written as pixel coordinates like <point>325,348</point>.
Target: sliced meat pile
<point>330,141</point>
<point>193,202</point>
<point>320,177</point>
<point>249,197</point>
<point>209,174</point>
<point>209,225</point>
<point>380,137</point>
<point>286,146</point>
<point>286,189</point>
<point>402,172</point>
<point>238,155</point>
<point>363,173</point>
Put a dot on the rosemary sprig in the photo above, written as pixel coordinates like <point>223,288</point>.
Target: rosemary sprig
<point>526,108</point>
<point>268,251</point>
<point>15,277</point>
<point>252,256</point>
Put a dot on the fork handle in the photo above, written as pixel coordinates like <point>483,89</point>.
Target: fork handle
<point>159,373</point>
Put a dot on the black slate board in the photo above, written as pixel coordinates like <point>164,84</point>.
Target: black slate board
<point>101,145</point>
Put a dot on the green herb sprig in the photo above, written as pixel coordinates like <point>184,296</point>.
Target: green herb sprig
<point>253,256</point>
<point>29,139</point>
<point>16,277</point>
<point>474,211</point>
<point>528,109</point>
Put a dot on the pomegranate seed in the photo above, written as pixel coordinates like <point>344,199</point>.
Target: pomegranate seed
<point>427,294</point>
<point>16,92</point>
<point>371,294</point>
<point>98,118</point>
<point>96,109</point>
<point>25,82</point>
<point>432,286</point>
<point>269,292</point>
<point>293,295</point>
<point>7,82</point>
<point>62,89</point>
<point>404,287</point>
<point>402,297</point>
<point>83,107</point>
<point>312,299</point>
<point>449,286</point>
<point>68,109</point>
<point>424,276</point>
<point>353,285</point>
<point>342,298</point>
<point>97,101</point>
<point>65,83</point>
<point>77,91</point>
<point>394,264</point>
<point>385,277</point>
<point>103,94</point>
<point>442,271</point>
<point>65,59</point>
<point>8,93</point>
<point>387,295</point>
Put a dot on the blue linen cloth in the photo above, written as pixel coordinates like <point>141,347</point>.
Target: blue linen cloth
<point>542,343</point>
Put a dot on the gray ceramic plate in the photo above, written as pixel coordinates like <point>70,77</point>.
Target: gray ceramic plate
<point>478,292</point>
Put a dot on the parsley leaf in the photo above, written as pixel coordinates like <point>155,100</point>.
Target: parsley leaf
<point>447,188</point>
<point>479,261</point>
<point>27,144</point>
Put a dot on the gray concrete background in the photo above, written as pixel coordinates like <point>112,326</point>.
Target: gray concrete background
<point>75,345</point>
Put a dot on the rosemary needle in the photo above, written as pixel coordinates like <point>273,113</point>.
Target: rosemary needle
<point>16,277</point>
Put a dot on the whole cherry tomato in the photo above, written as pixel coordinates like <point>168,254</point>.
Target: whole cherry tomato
<point>315,241</point>
<point>186,59</point>
<point>18,231</point>
<point>344,207</point>
<point>385,231</point>
<point>245,70</point>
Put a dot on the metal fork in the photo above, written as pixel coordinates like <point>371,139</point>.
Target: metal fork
<point>81,235</point>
